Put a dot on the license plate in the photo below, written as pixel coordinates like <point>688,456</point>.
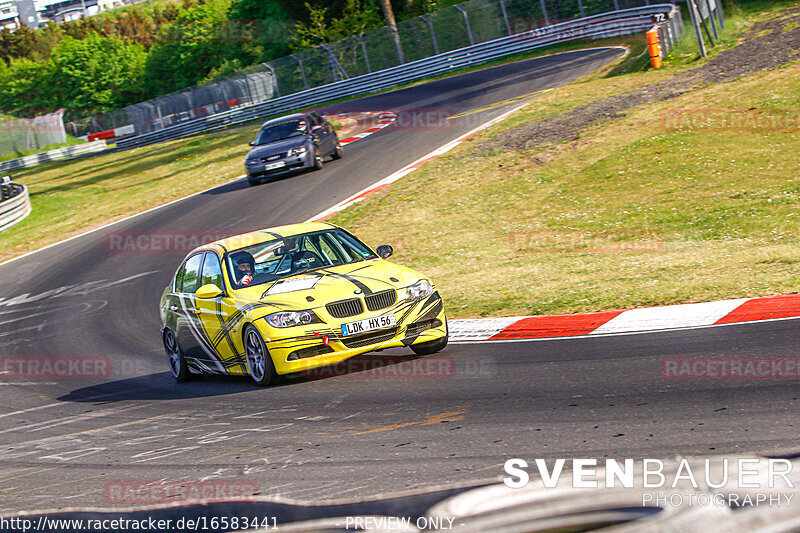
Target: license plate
<point>368,324</point>
<point>277,164</point>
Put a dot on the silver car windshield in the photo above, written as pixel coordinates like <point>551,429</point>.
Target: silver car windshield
<point>284,257</point>
<point>283,130</point>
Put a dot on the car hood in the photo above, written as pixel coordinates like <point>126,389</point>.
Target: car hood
<point>331,284</point>
<point>276,147</point>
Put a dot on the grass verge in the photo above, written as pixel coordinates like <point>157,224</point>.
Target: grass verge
<point>641,210</point>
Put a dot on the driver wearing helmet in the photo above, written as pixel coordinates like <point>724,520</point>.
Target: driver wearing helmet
<point>244,267</point>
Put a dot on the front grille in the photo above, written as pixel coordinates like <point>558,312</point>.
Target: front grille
<point>345,308</point>
<point>418,327</point>
<point>273,157</point>
<point>369,338</point>
<point>309,352</point>
<point>381,300</point>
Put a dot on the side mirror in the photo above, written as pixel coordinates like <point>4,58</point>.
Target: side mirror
<point>384,250</point>
<point>252,143</point>
<point>208,291</point>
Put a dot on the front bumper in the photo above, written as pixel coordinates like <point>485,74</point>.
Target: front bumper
<point>291,164</point>
<point>308,347</point>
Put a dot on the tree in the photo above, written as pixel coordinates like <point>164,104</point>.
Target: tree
<point>322,28</point>
<point>96,74</point>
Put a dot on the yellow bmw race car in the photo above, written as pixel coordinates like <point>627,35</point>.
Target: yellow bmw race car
<point>293,298</point>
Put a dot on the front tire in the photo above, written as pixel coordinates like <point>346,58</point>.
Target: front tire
<point>259,362</point>
<point>431,347</point>
<point>338,151</point>
<point>177,362</point>
<point>317,163</point>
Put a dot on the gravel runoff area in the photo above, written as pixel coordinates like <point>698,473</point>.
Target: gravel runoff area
<point>767,45</point>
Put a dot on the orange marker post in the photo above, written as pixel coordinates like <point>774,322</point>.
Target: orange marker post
<point>653,47</point>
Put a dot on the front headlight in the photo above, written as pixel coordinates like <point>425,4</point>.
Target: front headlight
<point>287,319</point>
<point>298,151</point>
<point>251,162</point>
<point>419,290</point>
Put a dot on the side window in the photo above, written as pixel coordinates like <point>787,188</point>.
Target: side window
<point>313,119</point>
<point>176,283</point>
<point>212,271</point>
<point>191,272</point>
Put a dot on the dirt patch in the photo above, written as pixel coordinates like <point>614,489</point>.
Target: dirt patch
<point>767,45</point>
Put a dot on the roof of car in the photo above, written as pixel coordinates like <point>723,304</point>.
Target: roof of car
<point>263,235</point>
<point>294,116</point>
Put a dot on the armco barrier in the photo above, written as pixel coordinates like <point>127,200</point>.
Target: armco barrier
<point>15,204</point>
<point>52,155</point>
<point>616,23</point>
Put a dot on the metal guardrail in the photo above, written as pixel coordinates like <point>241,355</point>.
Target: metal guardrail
<point>52,155</point>
<point>14,204</point>
<point>611,24</point>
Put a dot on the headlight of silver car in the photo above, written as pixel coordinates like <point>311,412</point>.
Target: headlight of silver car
<point>287,319</point>
<point>298,151</point>
<point>419,290</point>
<point>251,162</point>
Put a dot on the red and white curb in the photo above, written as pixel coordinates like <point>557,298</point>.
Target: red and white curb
<point>372,189</point>
<point>385,118</point>
<point>630,321</point>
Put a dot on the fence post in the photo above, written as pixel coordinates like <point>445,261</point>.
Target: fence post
<point>505,15</point>
<point>694,15</point>
<point>433,33</point>
<point>364,49</point>
<point>396,37</point>
<point>580,7</point>
<point>302,69</point>
<point>544,13</point>
<point>720,14</point>
<point>466,21</point>
<point>712,18</point>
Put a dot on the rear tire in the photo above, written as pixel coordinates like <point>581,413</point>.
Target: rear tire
<point>177,362</point>
<point>431,347</point>
<point>259,362</point>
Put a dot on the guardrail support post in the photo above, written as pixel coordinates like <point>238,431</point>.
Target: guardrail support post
<point>720,14</point>
<point>466,22</point>
<point>580,8</point>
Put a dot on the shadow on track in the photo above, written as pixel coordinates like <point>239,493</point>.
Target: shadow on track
<point>161,386</point>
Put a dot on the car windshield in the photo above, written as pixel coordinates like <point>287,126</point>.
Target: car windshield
<point>283,130</point>
<point>287,256</point>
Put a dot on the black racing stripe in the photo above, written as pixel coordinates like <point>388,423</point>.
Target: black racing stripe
<point>271,233</point>
<point>366,290</point>
<point>225,331</point>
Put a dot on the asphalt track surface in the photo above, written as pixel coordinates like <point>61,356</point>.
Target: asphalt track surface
<point>354,434</point>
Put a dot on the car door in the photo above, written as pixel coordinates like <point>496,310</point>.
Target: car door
<point>189,332</point>
<point>218,319</point>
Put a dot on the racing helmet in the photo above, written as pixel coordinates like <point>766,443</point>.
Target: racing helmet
<point>241,257</point>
